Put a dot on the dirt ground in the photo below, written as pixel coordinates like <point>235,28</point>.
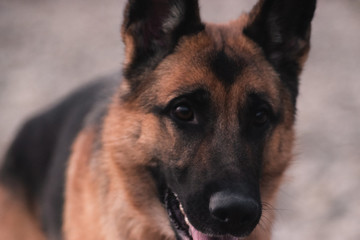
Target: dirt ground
<point>48,48</point>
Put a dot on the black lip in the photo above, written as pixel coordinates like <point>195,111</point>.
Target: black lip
<point>177,218</point>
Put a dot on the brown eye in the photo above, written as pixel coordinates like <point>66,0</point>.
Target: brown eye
<point>183,113</point>
<point>261,117</point>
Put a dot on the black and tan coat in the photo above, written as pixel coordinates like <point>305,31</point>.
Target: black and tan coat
<point>190,143</point>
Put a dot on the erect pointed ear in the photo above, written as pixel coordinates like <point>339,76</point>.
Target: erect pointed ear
<point>282,29</point>
<point>152,28</point>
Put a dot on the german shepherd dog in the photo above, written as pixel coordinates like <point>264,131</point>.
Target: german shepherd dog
<point>190,143</point>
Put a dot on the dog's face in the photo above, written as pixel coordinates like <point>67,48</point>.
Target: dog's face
<point>216,105</point>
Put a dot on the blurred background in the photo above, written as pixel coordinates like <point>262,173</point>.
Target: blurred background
<point>49,47</point>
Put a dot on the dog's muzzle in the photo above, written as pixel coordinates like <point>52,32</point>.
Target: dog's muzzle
<point>232,216</point>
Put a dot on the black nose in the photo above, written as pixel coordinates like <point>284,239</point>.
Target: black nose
<point>234,210</point>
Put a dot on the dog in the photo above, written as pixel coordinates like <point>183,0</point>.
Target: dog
<point>191,141</point>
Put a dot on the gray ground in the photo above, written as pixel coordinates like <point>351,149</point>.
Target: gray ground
<point>49,47</point>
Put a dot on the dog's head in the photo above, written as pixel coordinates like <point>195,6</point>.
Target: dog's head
<point>214,107</point>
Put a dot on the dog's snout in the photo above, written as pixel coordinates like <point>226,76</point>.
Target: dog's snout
<point>234,210</point>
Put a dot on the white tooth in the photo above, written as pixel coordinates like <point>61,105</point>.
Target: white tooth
<point>181,209</point>
<point>187,221</point>
<point>185,217</point>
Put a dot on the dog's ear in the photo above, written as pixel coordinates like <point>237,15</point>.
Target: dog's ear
<point>152,28</point>
<point>282,29</point>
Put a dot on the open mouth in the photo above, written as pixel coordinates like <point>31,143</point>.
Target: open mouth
<point>181,224</point>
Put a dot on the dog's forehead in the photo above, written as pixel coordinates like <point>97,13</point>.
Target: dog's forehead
<point>221,60</point>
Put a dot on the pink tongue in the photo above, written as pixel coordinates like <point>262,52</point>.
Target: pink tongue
<point>196,235</point>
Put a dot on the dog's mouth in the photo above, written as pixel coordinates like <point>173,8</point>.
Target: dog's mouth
<point>181,224</point>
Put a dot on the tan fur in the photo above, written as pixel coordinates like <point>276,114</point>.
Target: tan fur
<point>80,187</point>
<point>108,196</point>
<point>101,187</point>
<point>17,222</point>
<point>250,80</point>
<point>109,190</point>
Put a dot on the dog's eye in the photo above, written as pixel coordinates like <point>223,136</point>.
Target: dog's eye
<point>261,117</point>
<point>183,113</point>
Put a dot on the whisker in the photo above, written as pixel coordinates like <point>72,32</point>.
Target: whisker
<point>265,224</point>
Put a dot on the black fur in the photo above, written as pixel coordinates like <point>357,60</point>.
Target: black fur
<point>226,155</point>
<point>37,159</point>
<point>282,30</point>
<point>231,158</point>
<point>156,27</point>
<point>227,68</point>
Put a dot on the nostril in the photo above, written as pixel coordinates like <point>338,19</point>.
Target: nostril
<point>220,214</point>
<point>233,208</point>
